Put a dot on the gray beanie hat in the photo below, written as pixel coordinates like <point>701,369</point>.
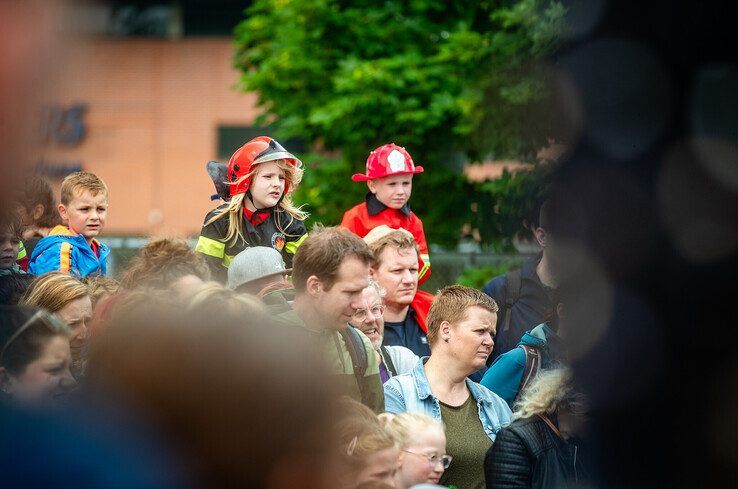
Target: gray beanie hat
<point>255,263</point>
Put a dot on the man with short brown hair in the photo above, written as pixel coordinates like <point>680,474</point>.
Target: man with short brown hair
<point>395,267</point>
<point>330,271</point>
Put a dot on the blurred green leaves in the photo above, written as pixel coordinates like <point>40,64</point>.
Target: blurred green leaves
<point>450,81</point>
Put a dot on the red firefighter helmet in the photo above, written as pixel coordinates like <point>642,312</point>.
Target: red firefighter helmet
<point>259,150</point>
<point>387,160</point>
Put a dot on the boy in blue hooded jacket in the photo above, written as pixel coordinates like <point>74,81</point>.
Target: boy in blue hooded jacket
<point>73,248</point>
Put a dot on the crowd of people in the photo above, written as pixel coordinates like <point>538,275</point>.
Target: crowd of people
<point>276,356</point>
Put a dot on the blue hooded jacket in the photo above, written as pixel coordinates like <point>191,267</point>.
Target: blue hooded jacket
<point>504,376</point>
<point>68,252</point>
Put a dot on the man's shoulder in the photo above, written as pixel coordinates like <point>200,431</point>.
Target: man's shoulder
<point>288,316</point>
<point>403,358</point>
<point>495,286</point>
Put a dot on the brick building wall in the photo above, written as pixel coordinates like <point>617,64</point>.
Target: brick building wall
<point>153,108</point>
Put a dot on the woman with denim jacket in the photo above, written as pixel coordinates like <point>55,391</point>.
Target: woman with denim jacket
<point>461,324</point>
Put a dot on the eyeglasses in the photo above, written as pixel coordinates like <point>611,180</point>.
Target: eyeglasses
<point>444,460</point>
<point>361,314</point>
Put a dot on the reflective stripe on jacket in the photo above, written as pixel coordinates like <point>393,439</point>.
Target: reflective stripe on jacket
<point>219,254</point>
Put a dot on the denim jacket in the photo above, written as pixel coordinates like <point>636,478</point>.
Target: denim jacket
<point>412,393</point>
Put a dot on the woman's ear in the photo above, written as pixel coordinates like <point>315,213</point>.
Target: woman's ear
<point>445,330</point>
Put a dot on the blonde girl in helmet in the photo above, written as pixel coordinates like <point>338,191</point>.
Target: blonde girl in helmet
<point>261,176</point>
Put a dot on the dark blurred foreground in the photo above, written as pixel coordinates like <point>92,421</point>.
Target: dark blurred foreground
<point>651,90</point>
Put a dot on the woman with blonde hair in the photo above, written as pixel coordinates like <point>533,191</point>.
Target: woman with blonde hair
<point>69,299</point>
<point>422,443</point>
<point>537,449</point>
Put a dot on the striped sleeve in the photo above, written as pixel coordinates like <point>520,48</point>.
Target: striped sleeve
<point>210,244</point>
<point>65,257</point>
<point>210,247</point>
<point>291,246</point>
<point>424,262</point>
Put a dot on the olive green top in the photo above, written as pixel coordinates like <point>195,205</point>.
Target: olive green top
<point>467,443</point>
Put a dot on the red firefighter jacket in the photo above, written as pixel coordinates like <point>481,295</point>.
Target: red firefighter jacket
<point>368,215</point>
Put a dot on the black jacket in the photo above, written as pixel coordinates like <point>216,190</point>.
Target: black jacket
<point>529,454</point>
<point>219,254</point>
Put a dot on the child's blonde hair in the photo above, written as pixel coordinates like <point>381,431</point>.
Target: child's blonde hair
<point>360,434</point>
<point>234,209</point>
<point>77,182</point>
<point>404,427</point>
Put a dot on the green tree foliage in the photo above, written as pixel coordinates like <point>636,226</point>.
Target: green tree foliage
<point>450,81</point>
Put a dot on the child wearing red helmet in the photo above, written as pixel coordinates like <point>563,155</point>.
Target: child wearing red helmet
<point>259,212</point>
<point>389,176</point>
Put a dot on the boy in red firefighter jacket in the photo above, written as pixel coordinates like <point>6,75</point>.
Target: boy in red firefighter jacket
<point>389,176</point>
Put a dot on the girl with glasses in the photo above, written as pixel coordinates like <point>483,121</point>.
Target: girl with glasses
<point>422,445</point>
<point>34,356</point>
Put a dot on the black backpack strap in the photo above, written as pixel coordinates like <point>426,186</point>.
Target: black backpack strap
<point>388,361</point>
<point>532,367</point>
<point>357,350</point>
<point>512,294</point>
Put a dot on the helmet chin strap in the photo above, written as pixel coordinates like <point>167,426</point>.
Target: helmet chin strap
<point>251,198</point>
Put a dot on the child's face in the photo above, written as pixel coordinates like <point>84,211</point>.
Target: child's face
<point>8,248</point>
<point>267,185</point>
<point>393,191</point>
<point>420,461</point>
<point>86,213</point>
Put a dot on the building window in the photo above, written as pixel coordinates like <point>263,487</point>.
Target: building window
<point>230,138</point>
<point>133,19</point>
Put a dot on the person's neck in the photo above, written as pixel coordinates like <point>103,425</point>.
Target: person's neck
<point>88,240</point>
<point>543,270</point>
<point>446,378</point>
<point>249,204</point>
<point>305,310</point>
<point>395,313</point>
